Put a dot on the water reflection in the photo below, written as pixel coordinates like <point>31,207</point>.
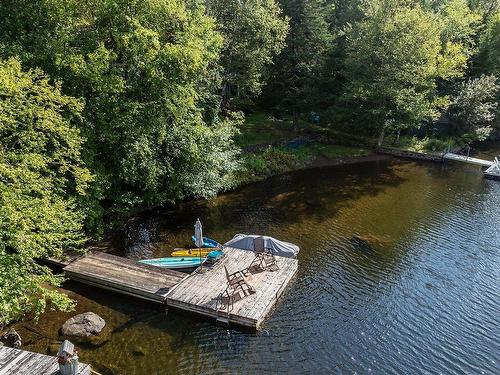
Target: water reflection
<point>398,275</point>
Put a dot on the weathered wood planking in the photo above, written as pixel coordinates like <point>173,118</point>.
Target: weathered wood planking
<point>198,292</point>
<point>20,362</point>
<point>124,276</point>
<point>62,262</point>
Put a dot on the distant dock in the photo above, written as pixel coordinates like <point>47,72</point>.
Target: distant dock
<point>468,159</point>
<point>493,167</point>
<point>21,362</point>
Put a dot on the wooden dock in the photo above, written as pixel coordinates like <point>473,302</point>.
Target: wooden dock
<point>198,293</point>
<point>466,159</point>
<point>21,362</point>
<point>124,276</point>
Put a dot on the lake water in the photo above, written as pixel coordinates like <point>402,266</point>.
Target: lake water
<point>422,298</point>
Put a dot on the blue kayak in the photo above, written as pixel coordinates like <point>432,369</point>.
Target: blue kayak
<point>174,262</point>
<point>207,242</point>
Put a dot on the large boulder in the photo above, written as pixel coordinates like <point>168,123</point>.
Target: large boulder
<point>87,327</point>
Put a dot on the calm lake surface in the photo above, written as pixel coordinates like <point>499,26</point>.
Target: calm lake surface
<point>423,298</point>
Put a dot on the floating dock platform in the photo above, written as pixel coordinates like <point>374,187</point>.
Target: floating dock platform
<point>198,293</point>
<point>124,276</point>
<point>21,362</point>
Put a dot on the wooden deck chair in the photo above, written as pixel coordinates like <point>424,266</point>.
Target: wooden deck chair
<point>264,258</point>
<point>237,280</point>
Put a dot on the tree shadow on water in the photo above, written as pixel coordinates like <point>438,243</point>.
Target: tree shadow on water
<point>312,195</point>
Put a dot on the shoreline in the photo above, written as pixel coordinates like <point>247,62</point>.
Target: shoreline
<point>322,161</point>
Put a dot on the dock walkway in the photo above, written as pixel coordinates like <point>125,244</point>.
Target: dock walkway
<point>198,292</point>
<point>124,276</point>
<point>465,159</point>
<point>21,362</point>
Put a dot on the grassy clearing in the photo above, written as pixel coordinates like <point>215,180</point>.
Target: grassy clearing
<point>277,160</point>
<point>260,128</point>
<point>429,145</point>
<point>338,151</point>
<point>272,161</point>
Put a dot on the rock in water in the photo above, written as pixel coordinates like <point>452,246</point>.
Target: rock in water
<point>12,339</point>
<point>87,326</point>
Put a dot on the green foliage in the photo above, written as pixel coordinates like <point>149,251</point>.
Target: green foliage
<point>259,128</point>
<point>146,72</point>
<point>300,68</point>
<point>274,160</point>
<point>473,109</point>
<point>338,151</point>
<point>42,178</point>
<point>395,57</point>
<point>489,49</point>
<point>430,145</point>
<point>486,8</point>
<point>459,25</point>
<point>426,144</point>
<point>254,32</point>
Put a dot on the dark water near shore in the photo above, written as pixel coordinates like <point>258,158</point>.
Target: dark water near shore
<point>423,298</point>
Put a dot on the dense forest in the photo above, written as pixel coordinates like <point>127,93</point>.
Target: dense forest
<point>111,106</point>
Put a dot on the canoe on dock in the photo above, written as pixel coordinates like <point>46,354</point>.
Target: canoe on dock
<point>207,242</point>
<point>174,263</point>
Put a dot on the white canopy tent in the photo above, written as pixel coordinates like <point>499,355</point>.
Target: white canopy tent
<point>280,248</point>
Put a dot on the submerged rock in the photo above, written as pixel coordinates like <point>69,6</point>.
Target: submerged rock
<point>11,339</point>
<point>87,327</point>
<point>107,369</point>
<point>53,348</point>
<point>139,351</point>
<point>361,244</point>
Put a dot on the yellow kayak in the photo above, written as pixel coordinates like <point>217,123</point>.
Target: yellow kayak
<point>202,252</point>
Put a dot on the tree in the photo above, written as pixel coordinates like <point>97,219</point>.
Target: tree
<point>473,109</point>
<point>296,81</point>
<point>254,32</point>
<point>486,8</point>
<point>460,25</point>
<point>145,70</point>
<point>488,59</point>
<point>394,58</point>
<point>42,178</point>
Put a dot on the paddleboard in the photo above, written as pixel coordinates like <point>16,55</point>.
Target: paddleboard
<point>181,252</point>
